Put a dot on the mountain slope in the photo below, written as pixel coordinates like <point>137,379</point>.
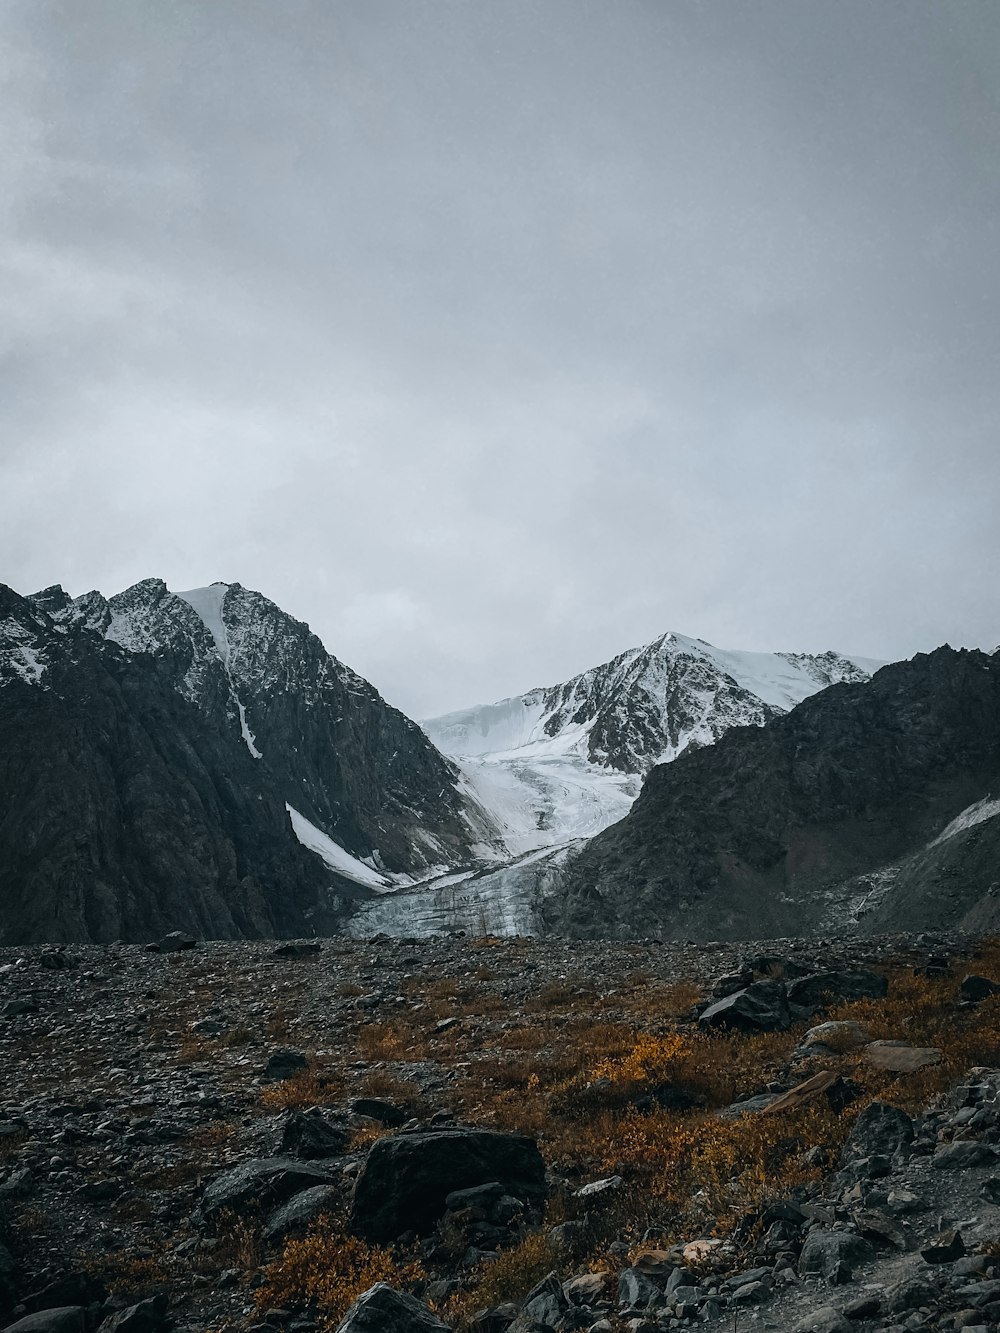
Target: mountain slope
<point>352,769</point>
<point>832,814</point>
<point>565,762</point>
<point>122,815</point>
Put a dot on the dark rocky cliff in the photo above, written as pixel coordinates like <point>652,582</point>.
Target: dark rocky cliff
<point>820,820</point>
<point>122,814</point>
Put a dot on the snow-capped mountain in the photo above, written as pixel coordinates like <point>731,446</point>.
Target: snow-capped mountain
<point>565,762</point>
<point>364,788</point>
<point>258,707</point>
<point>868,807</point>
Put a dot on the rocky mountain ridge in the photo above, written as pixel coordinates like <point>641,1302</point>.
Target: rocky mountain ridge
<point>867,803</point>
<point>215,692</point>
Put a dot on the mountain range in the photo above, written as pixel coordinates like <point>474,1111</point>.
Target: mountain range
<point>199,760</point>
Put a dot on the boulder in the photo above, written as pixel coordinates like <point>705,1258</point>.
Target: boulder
<point>375,1108</point>
<point>821,1085</point>
<point>899,1057</point>
<point>656,1264</point>
<point>824,1320</point>
<point>312,1136</point>
<point>546,1302</point>
<point>963,1154</point>
<point>147,1316</point>
<point>879,1131</point>
<point>298,949</point>
<point>822,988</point>
<point>405,1181</point>
<point>908,1294</point>
<point>63,1319</point>
<point>176,942</point>
<point>264,1182</point>
<point>824,1249</point>
<point>284,1064</point>
<point>587,1289</point>
<point>382,1309</point>
<point>975,988</point>
<point>944,1248</point>
<point>300,1211</point>
<point>637,1290</point>
<point>836,1038</point>
<point>762,1007</point>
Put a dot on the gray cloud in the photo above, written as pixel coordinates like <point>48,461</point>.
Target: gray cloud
<point>492,339</point>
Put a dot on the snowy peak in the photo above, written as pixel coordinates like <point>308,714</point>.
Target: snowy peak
<point>563,763</point>
<point>647,704</point>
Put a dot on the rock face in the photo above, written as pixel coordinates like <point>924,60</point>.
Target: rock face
<point>164,757</point>
<point>124,813</point>
<point>865,801</point>
<point>406,1180</point>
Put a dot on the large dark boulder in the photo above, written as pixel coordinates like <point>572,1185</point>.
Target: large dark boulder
<point>828,987</point>
<point>64,1319</point>
<point>762,1007</point>
<point>825,1250</point>
<point>263,1182</point>
<point>406,1180</point>
<point>148,1316</point>
<point>382,1309</point>
<point>312,1136</point>
<point>879,1130</point>
<point>300,1212</point>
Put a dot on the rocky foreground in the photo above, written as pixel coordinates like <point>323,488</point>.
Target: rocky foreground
<point>508,1136</point>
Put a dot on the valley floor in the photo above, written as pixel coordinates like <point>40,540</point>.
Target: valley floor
<point>133,1079</point>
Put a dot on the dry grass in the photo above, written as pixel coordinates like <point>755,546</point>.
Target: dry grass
<point>328,1269</point>
<point>390,1041</point>
<point>309,1087</point>
<point>507,1278</point>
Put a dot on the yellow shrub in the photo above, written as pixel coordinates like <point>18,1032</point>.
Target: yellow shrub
<point>651,1060</point>
<point>328,1270</point>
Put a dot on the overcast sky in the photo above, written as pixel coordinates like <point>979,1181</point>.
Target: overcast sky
<point>492,337</point>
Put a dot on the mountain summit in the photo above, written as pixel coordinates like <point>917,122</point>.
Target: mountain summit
<point>167,754</point>
<point>566,761</point>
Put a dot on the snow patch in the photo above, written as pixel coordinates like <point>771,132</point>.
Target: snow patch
<point>207,605</point>
<point>333,855</point>
<point>977,813</point>
<point>245,731</point>
<point>20,654</point>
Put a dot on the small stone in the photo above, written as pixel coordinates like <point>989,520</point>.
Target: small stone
<point>824,1320</point>
<point>751,1293</point>
<point>864,1307</point>
<point>609,1185</point>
